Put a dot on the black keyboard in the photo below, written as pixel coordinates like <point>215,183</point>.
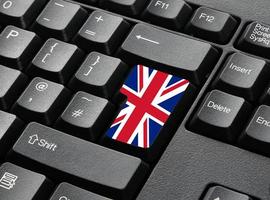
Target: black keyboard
<point>134,99</point>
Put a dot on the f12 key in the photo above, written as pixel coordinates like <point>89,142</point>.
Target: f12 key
<point>212,25</point>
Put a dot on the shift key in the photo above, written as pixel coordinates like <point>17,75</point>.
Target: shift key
<point>173,53</point>
<point>90,166</point>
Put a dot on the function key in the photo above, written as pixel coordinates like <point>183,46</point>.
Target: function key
<point>220,116</point>
<point>17,47</point>
<point>212,25</point>
<point>256,39</point>
<point>86,116</point>
<point>154,99</point>
<point>60,19</point>
<point>10,128</point>
<point>20,13</point>
<point>102,32</point>
<point>66,191</point>
<point>23,184</point>
<point>12,83</point>
<point>256,136</point>
<point>127,7</point>
<point>243,76</point>
<point>56,61</point>
<point>88,165</point>
<point>170,13</point>
<point>221,193</point>
<point>100,75</point>
<point>42,101</point>
<point>167,51</point>
<point>266,97</point>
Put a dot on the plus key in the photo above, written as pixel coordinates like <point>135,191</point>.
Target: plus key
<point>101,32</point>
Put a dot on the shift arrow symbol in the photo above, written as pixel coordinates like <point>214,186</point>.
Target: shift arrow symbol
<point>139,37</point>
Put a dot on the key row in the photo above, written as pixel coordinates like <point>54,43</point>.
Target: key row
<point>20,183</point>
<point>58,60</point>
<point>88,116</point>
<point>62,19</point>
<point>227,117</point>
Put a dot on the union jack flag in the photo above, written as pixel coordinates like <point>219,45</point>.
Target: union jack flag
<point>151,97</point>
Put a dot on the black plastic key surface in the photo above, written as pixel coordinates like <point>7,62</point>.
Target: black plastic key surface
<point>221,116</point>
<point>86,116</point>
<point>255,39</point>
<point>212,25</point>
<point>10,128</point>
<point>166,51</point>
<point>169,13</point>
<point>101,32</point>
<point>12,83</point>
<point>221,193</point>
<point>243,76</point>
<point>56,61</point>
<point>20,13</point>
<point>67,191</point>
<point>17,47</point>
<point>41,101</point>
<point>256,136</point>
<point>19,183</point>
<point>100,75</point>
<point>83,163</point>
<point>127,7</point>
<point>60,19</point>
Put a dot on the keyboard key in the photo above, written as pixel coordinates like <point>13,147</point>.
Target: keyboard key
<point>154,99</point>
<point>101,32</point>
<point>169,13</point>
<point>127,7</point>
<point>100,75</point>
<point>12,83</point>
<point>256,135</point>
<point>20,13</point>
<point>83,163</point>
<point>42,101</point>
<point>20,183</point>
<point>60,19</point>
<point>164,50</point>
<point>56,61</point>
<point>86,116</point>
<point>212,25</point>
<point>17,47</point>
<point>243,76</point>
<point>10,128</point>
<point>221,116</point>
<point>68,192</point>
<point>266,97</point>
<point>88,2</point>
<point>221,193</point>
<point>255,39</point>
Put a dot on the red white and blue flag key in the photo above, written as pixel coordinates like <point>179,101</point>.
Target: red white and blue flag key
<point>152,97</point>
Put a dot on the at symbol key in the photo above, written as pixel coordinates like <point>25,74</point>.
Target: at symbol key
<point>42,101</point>
<point>154,99</point>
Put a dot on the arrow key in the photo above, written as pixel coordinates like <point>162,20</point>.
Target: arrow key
<point>221,193</point>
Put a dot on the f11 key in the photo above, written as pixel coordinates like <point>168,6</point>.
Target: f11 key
<point>179,55</point>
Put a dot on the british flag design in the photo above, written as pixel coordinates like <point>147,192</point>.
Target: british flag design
<point>151,97</point>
